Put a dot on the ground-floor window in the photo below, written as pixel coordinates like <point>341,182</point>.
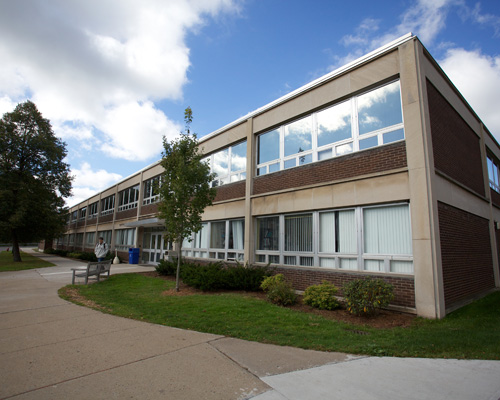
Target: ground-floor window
<point>106,235</point>
<point>90,239</point>
<point>124,238</point>
<point>219,240</point>
<point>376,238</point>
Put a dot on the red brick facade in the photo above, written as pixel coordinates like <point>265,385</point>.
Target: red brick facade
<point>149,209</point>
<point>301,278</point>
<point>231,191</point>
<point>126,214</point>
<point>379,159</point>
<point>455,146</point>
<point>465,253</point>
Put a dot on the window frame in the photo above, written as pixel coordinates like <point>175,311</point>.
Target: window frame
<point>128,198</point>
<point>313,154</point>
<point>108,205</point>
<point>231,176</point>
<point>339,260</point>
<point>493,173</point>
<point>150,190</point>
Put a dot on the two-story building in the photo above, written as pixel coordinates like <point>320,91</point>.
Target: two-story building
<point>379,168</point>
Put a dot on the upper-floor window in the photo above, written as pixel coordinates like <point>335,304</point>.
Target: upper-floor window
<point>83,213</point>
<point>493,175</point>
<point>108,205</point>
<point>128,198</point>
<point>74,215</point>
<point>364,121</point>
<point>93,210</point>
<point>151,190</point>
<point>229,164</point>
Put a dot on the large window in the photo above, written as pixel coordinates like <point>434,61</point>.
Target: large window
<point>90,239</point>
<point>83,213</point>
<point>229,164</point>
<point>363,238</point>
<point>151,190</point>
<point>221,240</point>
<point>108,205</point>
<point>93,210</point>
<point>106,235</point>
<point>124,238</point>
<point>368,120</point>
<point>493,175</point>
<point>128,198</point>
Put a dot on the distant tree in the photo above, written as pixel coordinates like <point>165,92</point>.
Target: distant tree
<point>34,179</point>
<point>185,187</point>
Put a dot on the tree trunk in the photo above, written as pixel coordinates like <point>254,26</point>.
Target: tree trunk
<point>179,244</point>
<point>16,254</point>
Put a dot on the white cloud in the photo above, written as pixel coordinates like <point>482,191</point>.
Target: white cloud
<point>477,77</point>
<point>88,182</point>
<point>94,68</point>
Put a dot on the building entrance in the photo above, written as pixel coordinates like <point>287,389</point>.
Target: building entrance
<point>153,246</point>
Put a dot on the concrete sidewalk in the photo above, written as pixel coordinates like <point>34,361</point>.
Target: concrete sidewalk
<point>52,349</point>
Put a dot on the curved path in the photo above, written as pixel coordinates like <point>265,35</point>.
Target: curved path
<point>53,349</point>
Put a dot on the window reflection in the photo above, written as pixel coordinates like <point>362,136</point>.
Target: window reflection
<point>221,163</point>
<point>379,108</point>
<point>298,136</point>
<point>269,146</point>
<point>239,157</point>
<point>334,124</point>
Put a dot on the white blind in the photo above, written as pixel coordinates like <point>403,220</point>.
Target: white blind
<point>298,232</point>
<point>387,230</point>
<point>238,233</point>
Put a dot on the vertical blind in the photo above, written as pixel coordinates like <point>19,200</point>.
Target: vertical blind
<point>298,232</point>
<point>237,234</point>
<point>387,230</point>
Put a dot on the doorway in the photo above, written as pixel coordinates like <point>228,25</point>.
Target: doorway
<point>153,246</point>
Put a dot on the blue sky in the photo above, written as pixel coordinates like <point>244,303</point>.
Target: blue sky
<point>114,76</point>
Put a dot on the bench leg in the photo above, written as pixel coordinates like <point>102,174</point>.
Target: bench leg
<point>73,279</point>
<point>86,278</point>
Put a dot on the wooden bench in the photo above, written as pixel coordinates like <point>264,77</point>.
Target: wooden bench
<point>92,269</point>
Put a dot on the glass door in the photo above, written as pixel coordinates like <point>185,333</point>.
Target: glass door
<point>153,247</point>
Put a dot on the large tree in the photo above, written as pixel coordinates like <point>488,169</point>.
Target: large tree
<point>185,187</point>
<point>34,179</point>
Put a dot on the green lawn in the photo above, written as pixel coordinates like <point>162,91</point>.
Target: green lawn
<point>28,262</point>
<point>470,333</point>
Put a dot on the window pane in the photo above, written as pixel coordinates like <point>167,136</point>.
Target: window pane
<point>307,261</point>
<point>290,163</point>
<point>268,233</point>
<point>298,232</point>
<point>327,262</point>
<point>402,267</point>
<point>305,159</point>
<point>239,157</point>
<point>347,242</point>
<point>298,136</point>
<point>374,265</point>
<point>218,235</point>
<point>393,136</point>
<point>325,154</point>
<point>269,147</point>
<point>334,124</point>
<point>327,232</point>
<point>290,260</point>
<point>349,263</point>
<point>274,259</point>
<point>201,238</point>
<point>274,167</point>
<point>367,143</point>
<point>343,149</point>
<point>221,163</point>
<point>379,108</point>
<point>236,234</point>
<point>387,230</point>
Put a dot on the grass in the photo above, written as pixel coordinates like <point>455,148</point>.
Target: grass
<point>28,262</point>
<point>469,333</point>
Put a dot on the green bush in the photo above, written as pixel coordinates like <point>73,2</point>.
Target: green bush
<point>218,276</point>
<point>168,268</point>
<point>321,296</point>
<point>367,296</point>
<point>74,255</point>
<point>279,291</point>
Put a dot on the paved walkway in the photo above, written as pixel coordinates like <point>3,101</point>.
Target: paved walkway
<point>52,349</point>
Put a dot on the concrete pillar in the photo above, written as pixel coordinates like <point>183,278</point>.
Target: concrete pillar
<point>249,254</point>
<point>429,296</point>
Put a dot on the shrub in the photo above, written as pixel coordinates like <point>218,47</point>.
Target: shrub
<point>217,276</point>
<point>279,291</point>
<point>168,268</point>
<point>74,255</point>
<point>321,296</point>
<point>367,296</point>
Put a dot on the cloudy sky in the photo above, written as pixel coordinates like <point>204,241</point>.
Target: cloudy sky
<point>114,76</point>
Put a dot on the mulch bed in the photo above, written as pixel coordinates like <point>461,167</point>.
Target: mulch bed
<point>385,319</point>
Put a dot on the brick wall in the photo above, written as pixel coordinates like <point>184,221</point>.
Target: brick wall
<point>126,214</point>
<point>455,146</point>
<point>106,218</point>
<point>495,197</point>
<point>301,278</point>
<point>379,159</point>
<point>149,209</point>
<point>231,191</point>
<point>465,253</point>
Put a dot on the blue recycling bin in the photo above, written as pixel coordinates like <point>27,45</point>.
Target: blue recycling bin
<point>133,255</point>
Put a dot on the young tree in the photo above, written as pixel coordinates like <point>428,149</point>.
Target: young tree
<point>185,187</point>
<point>33,178</point>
